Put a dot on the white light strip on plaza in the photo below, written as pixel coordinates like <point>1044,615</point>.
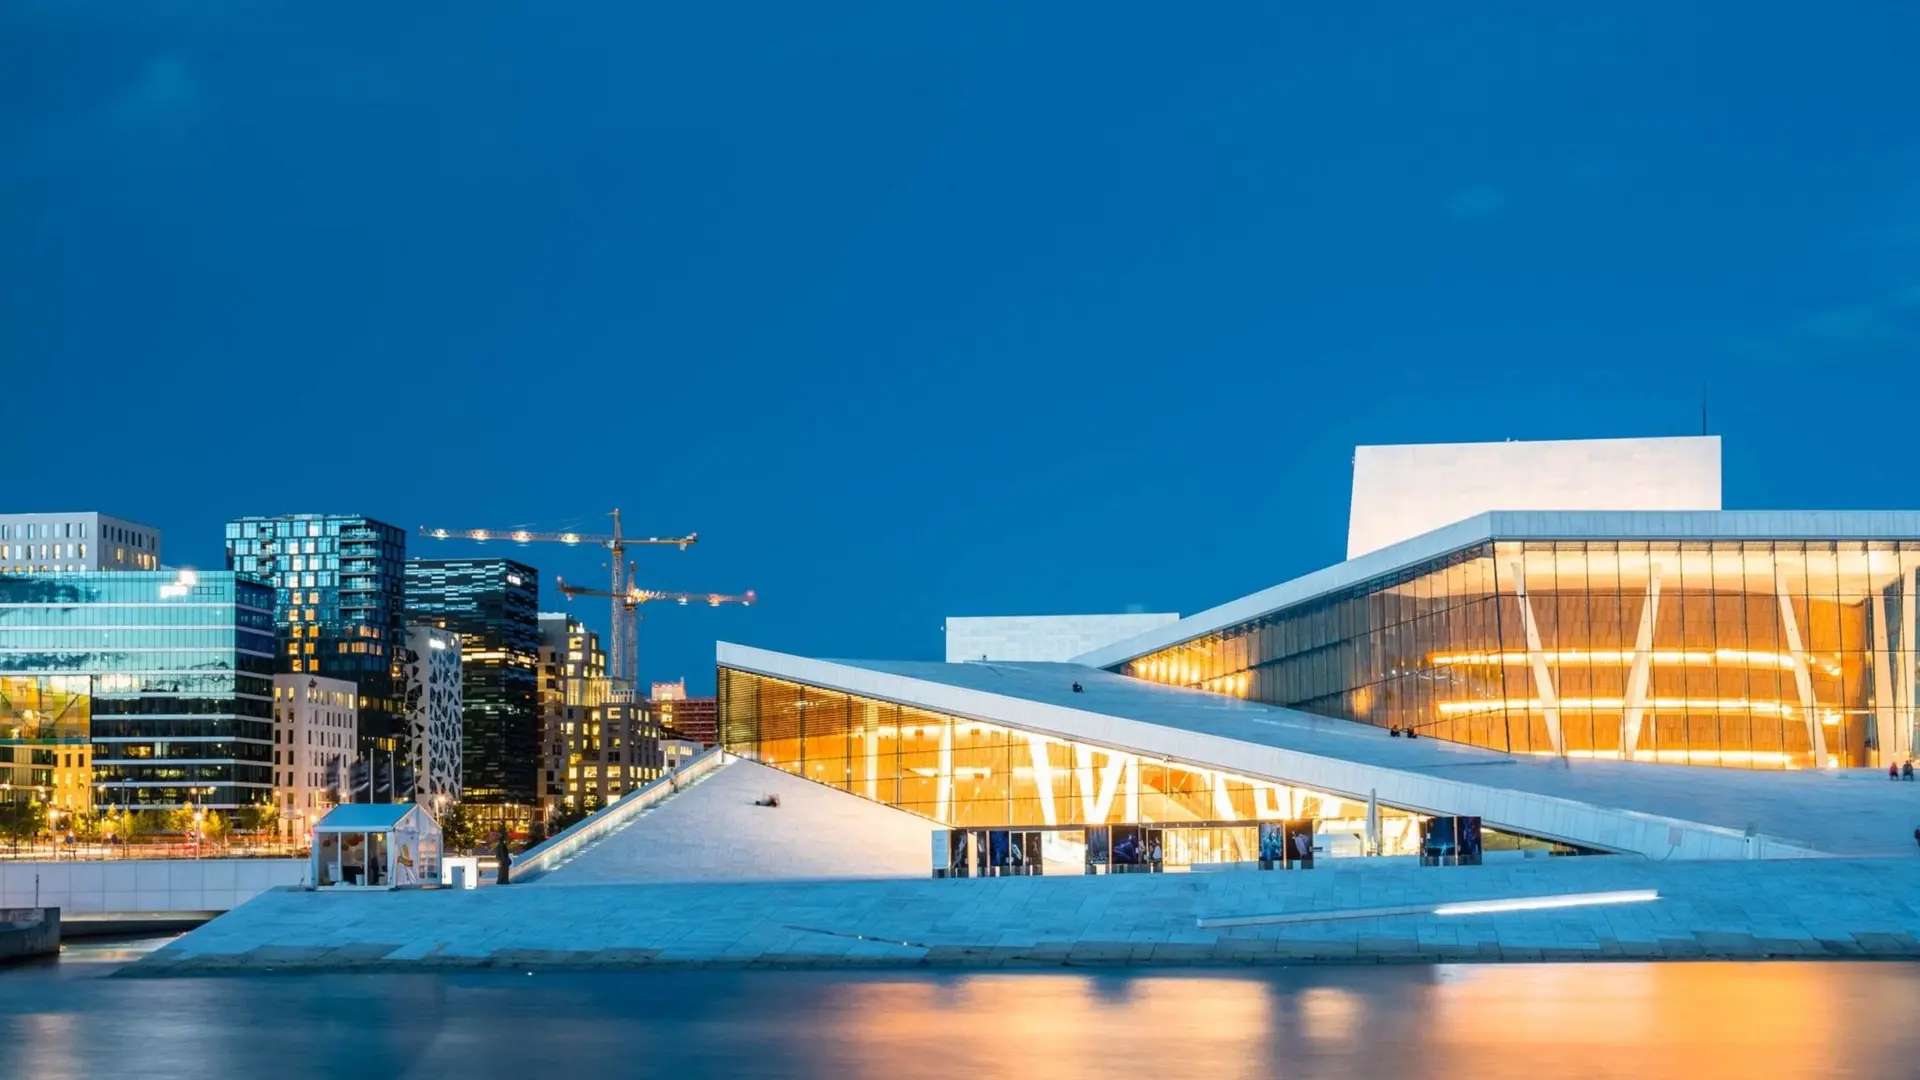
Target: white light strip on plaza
<point>1468,907</point>
<point>1547,903</point>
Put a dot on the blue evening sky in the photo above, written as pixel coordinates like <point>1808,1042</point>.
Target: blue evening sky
<point>917,309</point>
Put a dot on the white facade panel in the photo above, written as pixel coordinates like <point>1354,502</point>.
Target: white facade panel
<point>1054,638</point>
<point>431,665</point>
<point>1400,492</point>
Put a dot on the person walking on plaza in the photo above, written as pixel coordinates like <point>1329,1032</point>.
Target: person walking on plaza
<point>1906,771</point>
<point>505,859</point>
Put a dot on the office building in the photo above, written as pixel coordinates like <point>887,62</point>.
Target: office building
<point>679,716</point>
<point>569,653</point>
<point>493,604</point>
<point>339,605</point>
<point>75,543</point>
<point>1645,668</point>
<point>316,724</point>
<point>677,752</point>
<point>177,671</point>
<point>431,664</point>
<point>597,741</point>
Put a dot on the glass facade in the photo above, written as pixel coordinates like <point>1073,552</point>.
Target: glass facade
<point>45,727</point>
<point>178,674</point>
<point>967,773</point>
<point>493,604</point>
<point>339,604</point>
<point>1761,654</point>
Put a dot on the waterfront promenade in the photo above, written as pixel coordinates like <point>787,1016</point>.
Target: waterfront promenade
<point>1814,908</point>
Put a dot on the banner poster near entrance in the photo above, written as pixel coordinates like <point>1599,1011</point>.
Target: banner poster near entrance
<point>1097,849</point>
<point>1469,841</point>
<point>957,853</point>
<point>1001,851</point>
<point>1273,845</point>
<point>1450,841</point>
<point>1299,843</point>
<point>1030,853</point>
<point>1129,850</point>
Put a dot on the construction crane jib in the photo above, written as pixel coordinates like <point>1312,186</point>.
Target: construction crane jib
<point>616,543</point>
<point>626,602</point>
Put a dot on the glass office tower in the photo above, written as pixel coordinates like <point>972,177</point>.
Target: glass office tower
<point>1747,653</point>
<point>176,669</point>
<point>339,603</point>
<point>494,605</point>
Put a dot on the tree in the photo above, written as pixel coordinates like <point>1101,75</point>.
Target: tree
<point>22,820</point>
<point>178,820</point>
<point>213,825</point>
<point>257,819</point>
<point>458,830</point>
<point>90,827</point>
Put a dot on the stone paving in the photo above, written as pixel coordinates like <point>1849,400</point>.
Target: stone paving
<point>1866,908</point>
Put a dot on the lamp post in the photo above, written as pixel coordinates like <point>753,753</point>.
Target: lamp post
<point>198,817</point>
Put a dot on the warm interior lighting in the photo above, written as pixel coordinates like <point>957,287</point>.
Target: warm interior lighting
<point>1776,758</point>
<point>1614,704</point>
<point>1620,657</point>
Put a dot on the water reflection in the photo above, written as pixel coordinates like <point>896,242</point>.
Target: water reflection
<point>1647,1022</point>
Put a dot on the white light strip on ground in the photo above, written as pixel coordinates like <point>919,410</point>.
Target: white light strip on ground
<point>1547,903</point>
<point>1467,907</point>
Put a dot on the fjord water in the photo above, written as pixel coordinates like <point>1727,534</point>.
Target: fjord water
<point>1644,1021</point>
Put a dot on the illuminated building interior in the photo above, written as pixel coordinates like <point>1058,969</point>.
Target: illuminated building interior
<point>45,740</point>
<point>1761,654</point>
<point>966,773</point>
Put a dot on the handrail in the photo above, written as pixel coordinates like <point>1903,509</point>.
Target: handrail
<point>547,855</point>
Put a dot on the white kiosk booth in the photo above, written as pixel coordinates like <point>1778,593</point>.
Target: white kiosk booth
<point>375,846</point>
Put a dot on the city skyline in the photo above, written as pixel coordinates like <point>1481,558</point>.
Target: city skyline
<point>946,331</point>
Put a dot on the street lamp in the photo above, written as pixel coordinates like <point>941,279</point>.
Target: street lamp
<point>198,817</point>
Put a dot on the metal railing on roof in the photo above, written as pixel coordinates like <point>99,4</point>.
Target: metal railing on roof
<point>549,854</point>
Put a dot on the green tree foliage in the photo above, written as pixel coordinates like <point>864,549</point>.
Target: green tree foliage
<point>21,821</point>
<point>458,830</point>
<point>257,819</point>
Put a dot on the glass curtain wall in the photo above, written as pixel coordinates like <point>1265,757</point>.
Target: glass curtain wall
<point>1761,654</point>
<point>178,672</point>
<point>970,774</point>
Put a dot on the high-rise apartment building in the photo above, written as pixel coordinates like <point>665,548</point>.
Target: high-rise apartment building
<point>493,604</point>
<point>316,725</point>
<point>431,663</point>
<point>339,602</point>
<point>598,741</point>
<point>681,717</point>
<point>75,543</point>
<point>176,672</point>
<point>570,662</point>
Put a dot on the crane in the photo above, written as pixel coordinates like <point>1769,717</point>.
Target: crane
<point>616,542</point>
<point>625,603</point>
